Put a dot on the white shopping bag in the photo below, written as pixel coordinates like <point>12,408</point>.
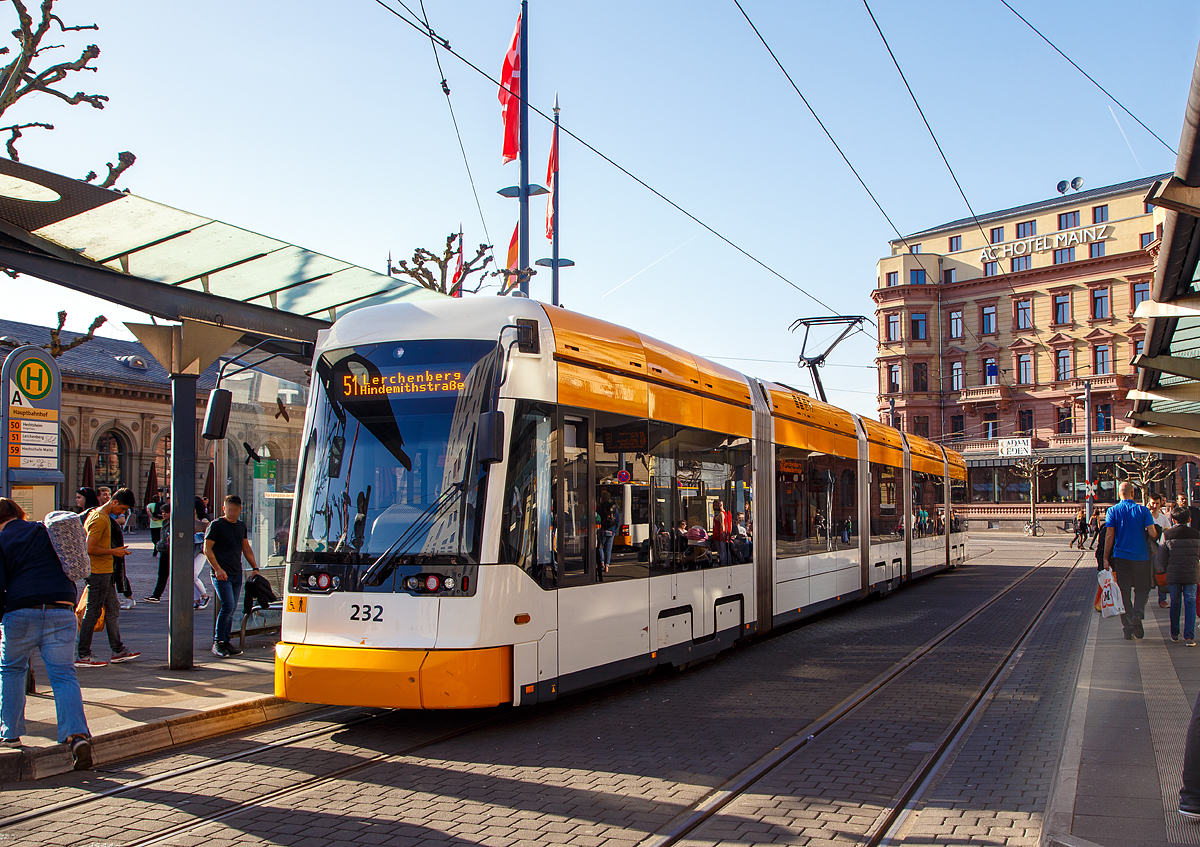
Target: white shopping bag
<point>1110,595</point>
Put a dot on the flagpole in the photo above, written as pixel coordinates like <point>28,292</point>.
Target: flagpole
<point>554,200</point>
<point>523,238</point>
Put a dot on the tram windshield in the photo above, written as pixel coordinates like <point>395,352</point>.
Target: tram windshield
<point>388,463</point>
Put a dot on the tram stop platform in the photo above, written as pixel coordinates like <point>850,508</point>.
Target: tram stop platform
<point>1122,754</point>
<point>141,706</point>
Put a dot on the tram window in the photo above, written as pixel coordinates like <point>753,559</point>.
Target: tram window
<point>691,471</point>
<point>927,515</point>
<point>812,515</point>
<point>575,546</point>
<point>888,514</point>
<point>526,534</point>
<point>621,538</point>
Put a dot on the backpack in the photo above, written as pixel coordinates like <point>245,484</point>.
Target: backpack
<point>70,543</point>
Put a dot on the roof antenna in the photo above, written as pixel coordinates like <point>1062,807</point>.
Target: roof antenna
<point>852,323</point>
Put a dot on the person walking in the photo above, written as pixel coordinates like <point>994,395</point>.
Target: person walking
<point>154,513</point>
<point>1194,511</point>
<point>1180,552</point>
<point>1094,529</point>
<point>1081,529</point>
<point>101,591</point>
<point>199,527</point>
<point>37,612</point>
<point>1127,554</point>
<point>1162,519</point>
<point>162,549</point>
<point>225,542</point>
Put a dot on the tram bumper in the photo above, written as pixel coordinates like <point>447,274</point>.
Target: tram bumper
<point>394,679</point>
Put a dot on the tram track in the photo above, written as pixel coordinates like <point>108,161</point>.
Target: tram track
<point>316,781</point>
<point>892,816</point>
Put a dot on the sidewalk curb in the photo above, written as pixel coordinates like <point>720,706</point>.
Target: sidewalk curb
<point>32,764</point>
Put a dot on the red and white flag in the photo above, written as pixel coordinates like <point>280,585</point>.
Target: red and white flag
<point>551,179</point>
<point>456,280</point>
<point>509,95</point>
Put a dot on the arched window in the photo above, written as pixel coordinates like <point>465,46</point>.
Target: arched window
<point>162,463</point>
<point>112,460</point>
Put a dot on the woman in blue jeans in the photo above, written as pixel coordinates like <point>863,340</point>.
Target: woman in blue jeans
<point>37,610</point>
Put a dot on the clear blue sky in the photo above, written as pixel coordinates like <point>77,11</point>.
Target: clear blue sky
<point>324,124</point>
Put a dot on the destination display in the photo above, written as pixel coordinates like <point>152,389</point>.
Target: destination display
<point>32,432</point>
<point>400,383</point>
<point>30,422</point>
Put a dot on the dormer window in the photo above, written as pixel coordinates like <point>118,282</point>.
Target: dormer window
<point>135,362</point>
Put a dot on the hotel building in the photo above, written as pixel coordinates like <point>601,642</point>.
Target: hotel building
<point>990,327</point>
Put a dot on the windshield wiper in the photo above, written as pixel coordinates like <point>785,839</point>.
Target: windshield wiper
<point>387,561</point>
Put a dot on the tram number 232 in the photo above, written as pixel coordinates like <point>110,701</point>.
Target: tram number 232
<point>366,613</point>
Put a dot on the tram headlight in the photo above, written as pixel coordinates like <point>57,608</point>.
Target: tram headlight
<point>433,582</point>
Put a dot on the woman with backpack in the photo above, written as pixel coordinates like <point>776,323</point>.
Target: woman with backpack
<point>37,611</point>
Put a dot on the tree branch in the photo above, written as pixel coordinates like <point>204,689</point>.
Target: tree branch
<point>15,133</point>
<point>57,348</point>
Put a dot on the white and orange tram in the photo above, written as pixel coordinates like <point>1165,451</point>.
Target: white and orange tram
<point>460,533</point>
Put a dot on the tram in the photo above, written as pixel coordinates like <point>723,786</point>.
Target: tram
<point>461,530</point>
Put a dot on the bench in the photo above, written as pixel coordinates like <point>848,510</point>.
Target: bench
<point>269,620</point>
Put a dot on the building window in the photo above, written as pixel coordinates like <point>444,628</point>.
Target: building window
<point>1096,250</point>
<point>893,379</point>
<point>918,326</point>
<point>920,376</point>
<point>1147,209</point>
<point>991,373</point>
<point>1104,418</point>
<point>1065,422</point>
<point>997,234</point>
<point>1022,263</point>
<point>1025,369</point>
<point>1062,365</point>
<point>1100,214</point>
<point>1068,220</point>
<point>920,425</point>
<point>893,278</point>
<point>1100,304</point>
<point>1067,254</point>
<point>956,376</point>
<point>893,327</point>
<point>957,426</point>
<point>1062,309</point>
<point>1027,229</point>
<point>1024,313</point>
<point>1147,237</point>
<point>916,277</point>
<point>955,243</point>
<point>1138,346</point>
<point>991,268</point>
<point>1141,293</point>
<point>948,275</point>
<point>987,320</point>
<point>991,426</point>
<point>1025,421</point>
<point>1102,359</point>
<point>914,248</point>
<point>956,324</point>
<point>112,461</point>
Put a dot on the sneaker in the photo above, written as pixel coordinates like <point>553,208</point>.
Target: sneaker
<point>151,599</point>
<point>1162,604</point>
<point>1138,630</point>
<point>10,742</point>
<point>1129,636</point>
<point>202,603</point>
<point>89,662</point>
<point>125,656</point>
<point>1175,638</point>
<point>230,649</point>
<point>128,603</point>
<point>1189,815</point>
<point>219,650</point>
<point>1190,642</point>
<point>81,752</point>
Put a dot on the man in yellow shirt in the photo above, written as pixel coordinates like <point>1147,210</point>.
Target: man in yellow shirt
<point>102,592</point>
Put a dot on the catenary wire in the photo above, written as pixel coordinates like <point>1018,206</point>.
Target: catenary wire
<point>454,119</point>
<point>442,42</point>
<point>1041,35</point>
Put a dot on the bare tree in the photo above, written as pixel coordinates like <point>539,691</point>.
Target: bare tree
<point>1032,470</point>
<point>1143,470</point>
<point>19,78</point>
<point>56,347</point>
<point>432,271</point>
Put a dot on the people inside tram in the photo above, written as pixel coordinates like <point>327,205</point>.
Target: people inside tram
<point>606,520</point>
<point>721,532</point>
<point>741,539</point>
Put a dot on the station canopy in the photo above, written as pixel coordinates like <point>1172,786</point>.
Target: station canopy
<point>1166,415</point>
<point>176,265</point>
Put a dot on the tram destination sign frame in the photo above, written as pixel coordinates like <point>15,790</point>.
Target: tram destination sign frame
<point>30,418</point>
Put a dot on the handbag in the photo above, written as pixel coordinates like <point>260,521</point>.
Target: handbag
<point>81,609</point>
<point>1161,560</point>
<point>1111,603</point>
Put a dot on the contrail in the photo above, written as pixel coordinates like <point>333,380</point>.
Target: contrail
<point>655,262</point>
<point>1126,137</point>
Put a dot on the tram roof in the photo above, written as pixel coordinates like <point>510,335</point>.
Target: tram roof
<point>177,265</point>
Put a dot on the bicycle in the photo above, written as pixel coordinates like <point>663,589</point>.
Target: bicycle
<point>1034,528</point>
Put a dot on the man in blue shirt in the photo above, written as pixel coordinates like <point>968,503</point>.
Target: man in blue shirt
<point>1127,555</point>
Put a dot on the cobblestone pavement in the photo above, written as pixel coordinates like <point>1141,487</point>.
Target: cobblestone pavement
<point>611,766</point>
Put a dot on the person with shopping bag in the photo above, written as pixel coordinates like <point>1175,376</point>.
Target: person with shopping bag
<point>1130,528</point>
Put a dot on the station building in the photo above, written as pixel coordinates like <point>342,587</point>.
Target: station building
<point>989,328</point>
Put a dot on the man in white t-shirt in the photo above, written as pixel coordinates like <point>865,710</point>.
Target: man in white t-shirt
<point>1162,518</point>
